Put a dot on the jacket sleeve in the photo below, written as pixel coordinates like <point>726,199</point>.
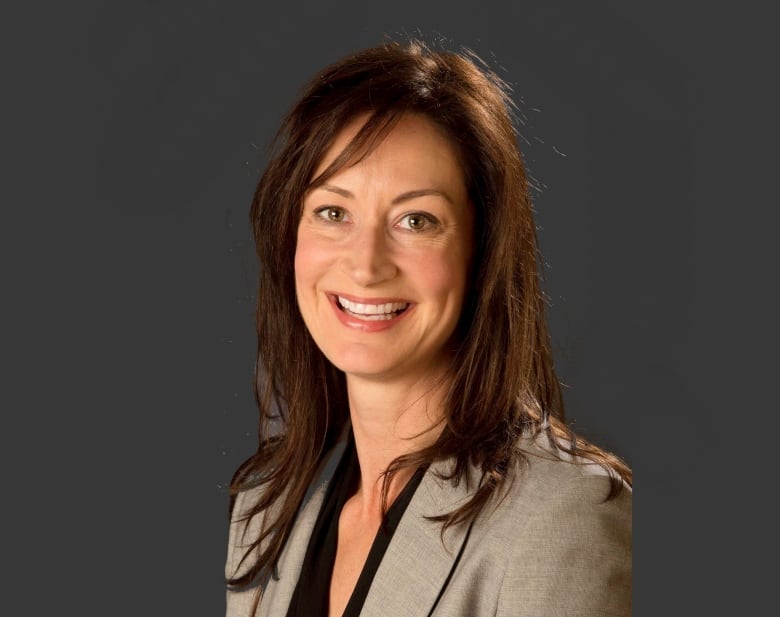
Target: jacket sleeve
<point>574,557</point>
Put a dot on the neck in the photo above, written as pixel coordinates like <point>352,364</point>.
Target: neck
<point>388,421</point>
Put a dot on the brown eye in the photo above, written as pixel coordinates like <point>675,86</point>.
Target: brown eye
<point>417,221</point>
<point>331,214</point>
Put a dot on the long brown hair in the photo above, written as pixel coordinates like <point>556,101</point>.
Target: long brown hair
<point>502,382</point>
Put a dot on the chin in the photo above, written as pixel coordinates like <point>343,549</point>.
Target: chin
<point>379,365</point>
<point>362,364</point>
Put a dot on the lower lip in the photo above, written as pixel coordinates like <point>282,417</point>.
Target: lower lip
<point>364,325</point>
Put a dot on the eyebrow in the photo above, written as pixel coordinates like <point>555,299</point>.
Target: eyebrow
<point>408,196</point>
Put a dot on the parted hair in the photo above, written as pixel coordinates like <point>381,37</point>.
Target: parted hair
<point>501,381</point>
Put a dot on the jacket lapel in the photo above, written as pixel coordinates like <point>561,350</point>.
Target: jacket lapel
<point>417,564</point>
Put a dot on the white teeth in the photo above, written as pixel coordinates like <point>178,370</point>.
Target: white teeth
<point>385,310</point>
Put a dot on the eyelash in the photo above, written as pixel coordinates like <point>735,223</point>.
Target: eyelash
<point>429,220</point>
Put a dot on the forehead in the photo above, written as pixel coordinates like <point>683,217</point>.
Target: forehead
<point>414,147</point>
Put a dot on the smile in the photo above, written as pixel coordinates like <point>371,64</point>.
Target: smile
<point>381,311</point>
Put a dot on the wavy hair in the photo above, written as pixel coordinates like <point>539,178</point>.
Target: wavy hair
<point>501,383</point>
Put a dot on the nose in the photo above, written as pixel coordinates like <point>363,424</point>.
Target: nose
<point>368,258</point>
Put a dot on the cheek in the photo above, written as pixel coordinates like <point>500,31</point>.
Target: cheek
<point>307,258</point>
<point>300,265</point>
<point>303,279</point>
<point>441,273</point>
<point>307,271</point>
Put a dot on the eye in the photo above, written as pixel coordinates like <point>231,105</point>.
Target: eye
<point>331,214</point>
<point>417,221</point>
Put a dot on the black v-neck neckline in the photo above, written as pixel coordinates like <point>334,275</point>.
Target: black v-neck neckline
<point>312,592</point>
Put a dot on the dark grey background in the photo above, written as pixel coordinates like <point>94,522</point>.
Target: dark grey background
<point>134,134</point>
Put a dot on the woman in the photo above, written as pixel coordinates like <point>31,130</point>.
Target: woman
<point>414,458</point>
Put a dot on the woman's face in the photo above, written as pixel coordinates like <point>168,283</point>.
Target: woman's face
<point>383,253</point>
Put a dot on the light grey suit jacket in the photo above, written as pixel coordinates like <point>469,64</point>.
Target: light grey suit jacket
<point>550,548</point>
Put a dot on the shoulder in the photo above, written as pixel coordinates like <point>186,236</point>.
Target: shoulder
<point>241,554</point>
<point>553,493</point>
<point>569,547</point>
<point>244,529</point>
<point>248,522</point>
<point>542,467</point>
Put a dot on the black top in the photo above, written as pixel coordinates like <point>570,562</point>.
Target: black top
<point>312,592</point>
